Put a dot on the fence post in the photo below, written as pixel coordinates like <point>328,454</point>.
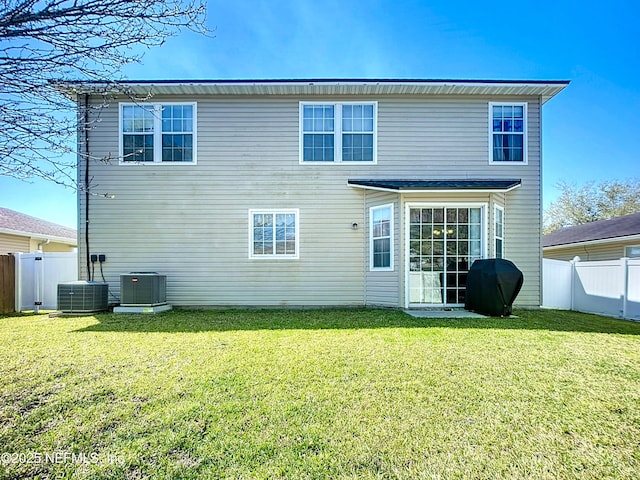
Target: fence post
<point>572,263</point>
<point>625,289</point>
<point>18,257</point>
<point>38,271</point>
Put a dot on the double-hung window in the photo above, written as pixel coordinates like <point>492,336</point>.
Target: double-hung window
<point>157,133</point>
<point>381,242</point>
<point>273,233</point>
<point>498,232</point>
<point>508,132</point>
<point>338,132</point>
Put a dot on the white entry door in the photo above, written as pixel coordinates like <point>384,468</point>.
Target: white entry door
<point>443,243</point>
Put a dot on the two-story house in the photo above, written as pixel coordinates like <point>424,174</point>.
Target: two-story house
<point>312,192</point>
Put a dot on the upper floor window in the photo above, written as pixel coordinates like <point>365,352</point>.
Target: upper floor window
<point>508,132</point>
<point>160,133</point>
<point>338,132</point>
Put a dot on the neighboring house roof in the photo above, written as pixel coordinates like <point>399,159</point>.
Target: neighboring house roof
<point>329,86</point>
<point>437,185</point>
<point>620,228</point>
<point>16,223</point>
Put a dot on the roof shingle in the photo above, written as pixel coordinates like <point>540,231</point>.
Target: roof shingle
<point>22,223</point>
<point>599,230</point>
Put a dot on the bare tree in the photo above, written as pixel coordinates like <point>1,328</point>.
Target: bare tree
<point>86,40</point>
<point>590,202</point>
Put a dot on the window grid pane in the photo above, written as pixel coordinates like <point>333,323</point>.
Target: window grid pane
<point>177,118</point>
<point>318,118</point>
<point>508,133</point>
<point>318,148</point>
<point>177,148</point>
<point>274,234</point>
<point>137,148</point>
<point>381,237</point>
<point>137,119</point>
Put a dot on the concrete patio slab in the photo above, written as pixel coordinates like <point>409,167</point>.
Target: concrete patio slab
<point>454,313</point>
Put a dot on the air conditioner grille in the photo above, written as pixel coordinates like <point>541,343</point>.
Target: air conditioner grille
<point>83,297</point>
<point>144,289</point>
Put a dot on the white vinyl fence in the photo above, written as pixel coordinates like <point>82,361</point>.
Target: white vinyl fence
<point>610,287</point>
<point>37,278</point>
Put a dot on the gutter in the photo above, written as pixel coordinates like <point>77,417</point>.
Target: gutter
<point>41,236</point>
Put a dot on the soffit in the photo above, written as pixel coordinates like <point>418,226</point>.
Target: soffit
<point>320,87</point>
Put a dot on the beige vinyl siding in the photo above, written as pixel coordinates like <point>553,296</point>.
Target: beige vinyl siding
<point>599,251</point>
<point>383,288</point>
<point>13,244</point>
<point>191,221</point>
<point>523,219</point>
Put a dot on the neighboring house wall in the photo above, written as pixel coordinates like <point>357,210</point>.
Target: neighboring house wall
<point>22,244</point>
<point>190,222</point>
<point>50,247</point>
<point>591,252</point>
<point>13,244</point>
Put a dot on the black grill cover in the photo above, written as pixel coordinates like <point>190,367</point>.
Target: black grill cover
<point>492,287</point>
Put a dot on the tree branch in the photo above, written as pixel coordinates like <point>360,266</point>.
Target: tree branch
<point>44,40</point>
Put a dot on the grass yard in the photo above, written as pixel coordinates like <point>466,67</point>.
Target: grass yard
<point>319,394</point>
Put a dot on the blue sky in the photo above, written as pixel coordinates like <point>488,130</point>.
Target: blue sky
<point>591,131</point>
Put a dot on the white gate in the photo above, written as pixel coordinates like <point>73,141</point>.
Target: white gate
<point>557,284</point>
<point>38,275</point>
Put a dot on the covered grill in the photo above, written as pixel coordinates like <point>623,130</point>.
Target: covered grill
<point>492,287</point>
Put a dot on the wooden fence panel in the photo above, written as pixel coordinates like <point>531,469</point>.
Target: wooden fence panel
<point>7,284</point>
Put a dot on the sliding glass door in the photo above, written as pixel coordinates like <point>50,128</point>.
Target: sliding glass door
<point>443,243</point>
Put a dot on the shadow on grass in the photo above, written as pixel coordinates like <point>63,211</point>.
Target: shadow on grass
<point>336,319</point>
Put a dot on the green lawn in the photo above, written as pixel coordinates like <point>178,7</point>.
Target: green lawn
<point>362,394</point>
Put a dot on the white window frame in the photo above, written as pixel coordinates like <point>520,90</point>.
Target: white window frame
<point>496,237</point>
<point>337,132</point>
<point>525,126</point>
<point>391,266</point>
<point>274,255</point>
<point>627,251</point>
<point>157,133</point>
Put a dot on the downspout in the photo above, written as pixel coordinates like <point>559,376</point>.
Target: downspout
<point>367,255</point>
<point>85,128</point>
<point>540,207</point>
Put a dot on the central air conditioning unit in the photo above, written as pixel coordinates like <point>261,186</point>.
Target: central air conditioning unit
<point>143,289</point>
<point>83,297</point>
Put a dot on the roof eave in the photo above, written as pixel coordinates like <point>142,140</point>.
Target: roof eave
<point>365,184</point>
<point>600,241</point>
<point>544,89</point>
